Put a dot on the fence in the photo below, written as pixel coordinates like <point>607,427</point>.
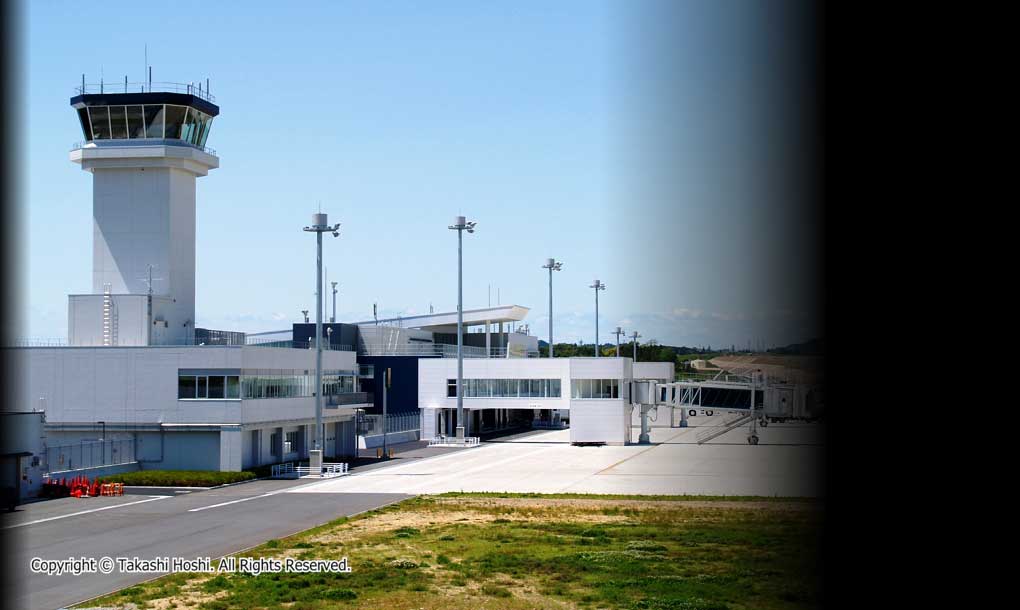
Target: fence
<point>440,349</point>
<point>372,424</point>
<point>349,398</point>
<point>90,454</point>
<point>290,470</point>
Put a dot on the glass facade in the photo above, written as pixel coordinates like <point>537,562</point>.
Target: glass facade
<point>262,384</point>
<point>594,388</point>
<point>209,387</point>
<point>506,388</point>
<point>159,121</point>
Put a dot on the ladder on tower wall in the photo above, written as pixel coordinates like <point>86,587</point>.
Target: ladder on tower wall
<point>731,424</point>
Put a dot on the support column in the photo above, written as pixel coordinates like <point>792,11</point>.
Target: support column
<point>502,341</point>
<point>488,339</point>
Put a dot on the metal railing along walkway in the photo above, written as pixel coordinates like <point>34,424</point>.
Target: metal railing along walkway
<point>452,441</point>
<point>717,431</point>
<point>290,470</point>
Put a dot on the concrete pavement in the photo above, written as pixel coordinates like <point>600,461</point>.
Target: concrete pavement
<point>210,523</point>
<point>788,461</point>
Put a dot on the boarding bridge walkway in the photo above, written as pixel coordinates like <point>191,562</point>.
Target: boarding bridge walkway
<point>739,395</point>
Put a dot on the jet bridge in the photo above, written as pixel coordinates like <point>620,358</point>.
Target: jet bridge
<point>741,395</point>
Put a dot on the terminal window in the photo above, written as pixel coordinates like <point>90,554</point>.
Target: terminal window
<point>209,387</point>
<point>594,388</point>
<point>261,384</point>
<point>505,388</point>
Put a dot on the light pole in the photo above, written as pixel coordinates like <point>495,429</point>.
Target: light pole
<point>635,338</point>
<point>460,225</point>
<point>597,286</point>
<point>333,317</point>
<point>552,265</point>
<point>618,332</point>
<point>319,226</point>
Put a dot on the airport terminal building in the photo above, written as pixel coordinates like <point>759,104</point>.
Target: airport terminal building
<point>138,385</point>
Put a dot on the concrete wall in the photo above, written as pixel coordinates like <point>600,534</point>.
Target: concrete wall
<point>433,373</point>
<point>22,432</point>
<point>146,216</point>
<point>600,421</point>
<point>139,385</point>
<point>659,371</point>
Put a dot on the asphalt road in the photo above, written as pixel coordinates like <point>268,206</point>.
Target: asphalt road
<point>208,523</point>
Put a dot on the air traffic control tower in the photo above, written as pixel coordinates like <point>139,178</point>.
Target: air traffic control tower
<point>145,146</point>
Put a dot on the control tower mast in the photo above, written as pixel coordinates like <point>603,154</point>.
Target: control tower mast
<point>144,147</point>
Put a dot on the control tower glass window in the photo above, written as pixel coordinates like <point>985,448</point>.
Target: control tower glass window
<point>174,121</point>
<point>153,121</point>
<point>100,116</point>
<point>118,123</point>
<point>86,125</point>
<point>145,121</point>
<point>136,126</point>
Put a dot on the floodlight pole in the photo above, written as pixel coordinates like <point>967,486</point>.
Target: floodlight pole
<point>460,224</point>
<point>552,265</point>
<point>319,226</point>
<point>597,286</point>
<point>618,332</point>
<point>635,338</point>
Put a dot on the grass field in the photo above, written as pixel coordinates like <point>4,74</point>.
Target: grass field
<point>489,551</point>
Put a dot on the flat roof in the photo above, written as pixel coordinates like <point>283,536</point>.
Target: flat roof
<point>443,322</point>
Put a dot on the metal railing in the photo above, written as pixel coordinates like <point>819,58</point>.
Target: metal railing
<point>290,470</point>
<point>146,87</point>
<point>452,441</point>
<point>90,454</point>
<point>351,398</point>
<point>45,342</point>
<point>336,347</point>
<point>80,144</point>
<point>437,349</point>
<point>369,424</point>
<point>543,424</point>
<point>717,431</point>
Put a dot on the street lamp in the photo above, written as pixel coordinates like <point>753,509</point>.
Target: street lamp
<point>618,332</point>
<point>597,286</point>
<point>460,225</point>
<point>319,226</point>
<point>635,338</point>
<point>552,265</point>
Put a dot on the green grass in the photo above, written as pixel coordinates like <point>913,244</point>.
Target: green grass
<point>177,478</point>
<point>653,498</point>
<point>469,551</point>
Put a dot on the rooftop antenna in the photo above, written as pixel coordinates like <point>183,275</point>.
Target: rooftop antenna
<point>375,313</point>
<point>430,308</point>
<point>305,312</point>
<point>146,61</point>
<point>148,279</point>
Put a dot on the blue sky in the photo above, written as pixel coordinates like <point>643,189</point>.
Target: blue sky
<point>531,118</point>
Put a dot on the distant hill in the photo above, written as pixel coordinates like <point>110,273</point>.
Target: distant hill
<point>814,347</point>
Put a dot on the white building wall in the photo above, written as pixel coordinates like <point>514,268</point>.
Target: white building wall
<point>663,372</point>
<point>139,384</point>
<point>433,373</point>
<point>146,216</point>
